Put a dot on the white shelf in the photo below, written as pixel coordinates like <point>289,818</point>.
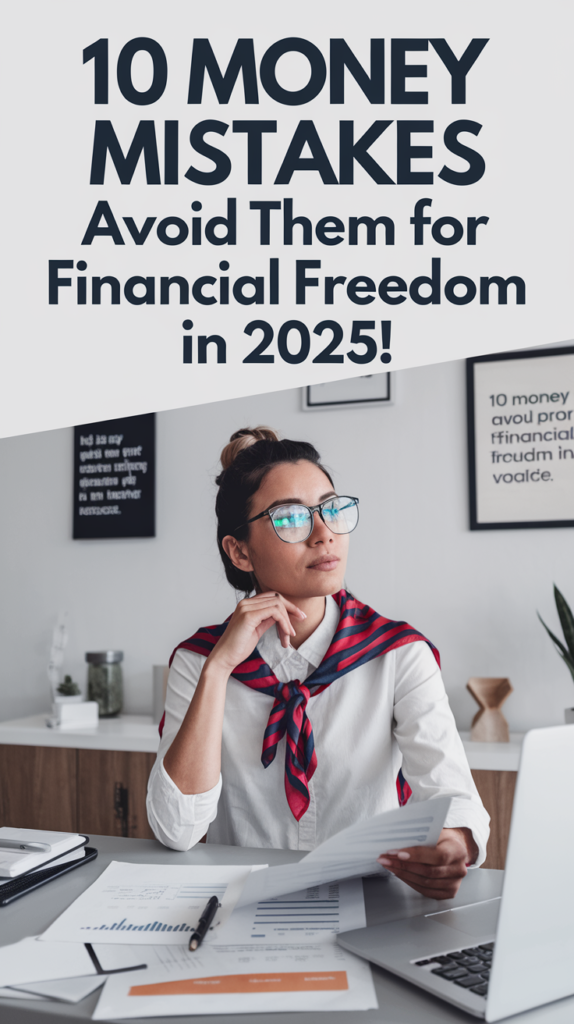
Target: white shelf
<point>139,733</point>
<point>127,732</point>
<point>494,757</point>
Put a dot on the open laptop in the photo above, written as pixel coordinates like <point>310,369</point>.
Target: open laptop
<point>520,947</point>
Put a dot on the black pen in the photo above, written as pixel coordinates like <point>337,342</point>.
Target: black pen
<point>204,925</point>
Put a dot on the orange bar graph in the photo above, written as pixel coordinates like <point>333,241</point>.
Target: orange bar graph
<point>291,981</point>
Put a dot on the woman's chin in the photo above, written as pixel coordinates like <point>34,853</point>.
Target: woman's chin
<point>319,584</point>
<point>327,583</point>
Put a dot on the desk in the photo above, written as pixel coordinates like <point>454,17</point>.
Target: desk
<point>386,900</point>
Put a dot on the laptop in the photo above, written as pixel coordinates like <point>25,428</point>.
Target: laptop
<point>519,947</point>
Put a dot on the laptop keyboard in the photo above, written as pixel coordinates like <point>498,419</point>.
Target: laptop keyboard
<point>469,968</point>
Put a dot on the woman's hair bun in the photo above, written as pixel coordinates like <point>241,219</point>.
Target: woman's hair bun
<point>243,439</point>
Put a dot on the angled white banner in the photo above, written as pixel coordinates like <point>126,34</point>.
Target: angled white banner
<point>206,200</point>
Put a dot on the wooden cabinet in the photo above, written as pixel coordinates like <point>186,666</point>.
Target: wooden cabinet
<point>100,792</point>
<point>112,788</point>
<point>496,790</point>
<point>38,787</point>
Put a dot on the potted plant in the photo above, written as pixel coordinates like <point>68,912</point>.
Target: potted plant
<point>565,652</point>
<point>68,692</point>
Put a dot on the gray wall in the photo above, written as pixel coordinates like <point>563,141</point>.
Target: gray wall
<point>474,594</point>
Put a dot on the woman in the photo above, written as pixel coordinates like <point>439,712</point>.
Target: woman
<point>374,692</point>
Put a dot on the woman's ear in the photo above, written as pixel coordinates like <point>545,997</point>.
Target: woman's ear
<point>236,551</point>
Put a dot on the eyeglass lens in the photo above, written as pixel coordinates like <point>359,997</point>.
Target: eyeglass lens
<point>294,523</point>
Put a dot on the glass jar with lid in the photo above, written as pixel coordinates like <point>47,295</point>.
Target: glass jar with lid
<point>105,681</point>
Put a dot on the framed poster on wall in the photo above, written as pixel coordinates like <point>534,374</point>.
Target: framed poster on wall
<point>521,439</point>
<point>114,478</point>
<point>370,389</point>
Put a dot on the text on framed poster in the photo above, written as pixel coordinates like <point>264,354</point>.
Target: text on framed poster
<point>114,478</point>
<point>521,439</point>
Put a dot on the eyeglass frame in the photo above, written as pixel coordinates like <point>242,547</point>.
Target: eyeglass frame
<point>311,509</point>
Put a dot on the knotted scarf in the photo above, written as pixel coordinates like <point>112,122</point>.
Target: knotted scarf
<point>362,634</point>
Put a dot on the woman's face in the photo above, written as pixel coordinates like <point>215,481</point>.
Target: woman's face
<point>311,568</point>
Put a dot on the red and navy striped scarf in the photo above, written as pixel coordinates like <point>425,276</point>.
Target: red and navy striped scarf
<point>361,635</point>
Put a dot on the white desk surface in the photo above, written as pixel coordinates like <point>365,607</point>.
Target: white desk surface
<point>386,899</point>
<point>139,732</point>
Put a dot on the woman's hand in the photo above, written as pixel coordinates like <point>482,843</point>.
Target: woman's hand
<point>251,618</point>
<point>194,759</point>
<point>437,871</point>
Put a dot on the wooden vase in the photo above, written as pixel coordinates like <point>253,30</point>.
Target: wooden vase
<point>489,724</point>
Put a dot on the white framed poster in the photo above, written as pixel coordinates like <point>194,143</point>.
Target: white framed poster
<point>521,439</point>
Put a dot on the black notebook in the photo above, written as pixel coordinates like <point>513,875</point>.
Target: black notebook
<point>15,887</point>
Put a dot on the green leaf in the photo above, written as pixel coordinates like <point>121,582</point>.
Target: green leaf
<point>566,619</point>
<point>564,654</point>
<point>570,665</point>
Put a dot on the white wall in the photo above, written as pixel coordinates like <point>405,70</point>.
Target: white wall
<point>474,594</point>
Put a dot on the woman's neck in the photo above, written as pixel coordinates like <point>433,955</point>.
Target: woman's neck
<point>314,608</point>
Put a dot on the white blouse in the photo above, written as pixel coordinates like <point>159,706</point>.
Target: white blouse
<point>390,712</point>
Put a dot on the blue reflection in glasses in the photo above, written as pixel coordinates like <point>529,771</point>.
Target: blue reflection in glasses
<point>294,520</point>
<point>300,517</point>
<point>333,512</point>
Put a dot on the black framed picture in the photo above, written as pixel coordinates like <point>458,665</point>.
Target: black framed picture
<point>370,389</point>
<point>114,478</point>
<point>521,439</point>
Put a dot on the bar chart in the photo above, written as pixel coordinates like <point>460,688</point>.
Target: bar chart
<point>191,900</point>
<point>149,903</point>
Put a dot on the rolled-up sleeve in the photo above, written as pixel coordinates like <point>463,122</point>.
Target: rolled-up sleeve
<point>179,820</point>
<point>434,760</point>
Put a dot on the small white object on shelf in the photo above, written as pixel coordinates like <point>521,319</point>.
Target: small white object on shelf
<point>82,715</point>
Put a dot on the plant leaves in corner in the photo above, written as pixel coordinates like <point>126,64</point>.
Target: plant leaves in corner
<point>564,654</point>
<point>566,619</point>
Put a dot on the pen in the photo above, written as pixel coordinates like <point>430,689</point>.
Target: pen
<point>204,925</point>
<point>15,844</point>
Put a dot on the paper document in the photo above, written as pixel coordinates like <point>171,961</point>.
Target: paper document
<point>30,960</point>
<point>309,977</point>
<point>353,851</point>
<point>149,904</point>
<point>316,914</point>
<point>14,993</point>
<point>278,955</point>
<point>104,958</point>
<point>66,990</point>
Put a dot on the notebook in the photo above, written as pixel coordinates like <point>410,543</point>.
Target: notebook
<point>17,856</point>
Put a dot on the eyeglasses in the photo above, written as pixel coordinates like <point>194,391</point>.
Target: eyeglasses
<point>294,523</point>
